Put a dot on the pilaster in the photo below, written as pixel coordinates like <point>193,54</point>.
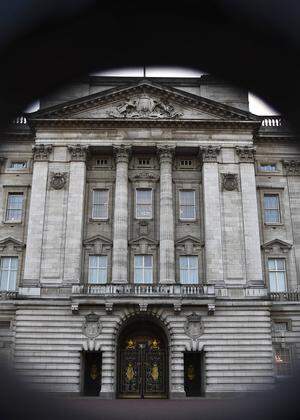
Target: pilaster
<point>120,232</point>
<point>166,227</point>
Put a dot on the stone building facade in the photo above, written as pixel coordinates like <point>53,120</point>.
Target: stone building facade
<point>149,241</point>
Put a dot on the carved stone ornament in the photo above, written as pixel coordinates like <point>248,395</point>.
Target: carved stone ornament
<point>230,182</point>
<point>92,326</point>
<point>246,153</point>
<point>41,152</point>
<point>194,326</point>
<point>292,167</point>
<point>58,180</point>
<point>78,152</point>
<point>144,107</point>
<point>144,176</point>
<point>121,153</point>
<point>210,153</point>
<point>165,153</point>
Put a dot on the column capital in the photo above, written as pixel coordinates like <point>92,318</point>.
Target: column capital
<point>210,153</point>
<point>292,167</point>
<point>78,152</point>
<point>165,153</point>
<point>246,153</point>
<point>41,152</point>
<point>121,153</point>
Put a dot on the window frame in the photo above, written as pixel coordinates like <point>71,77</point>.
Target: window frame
<point>267,193</point>
<point>89,268</point>
<point>16,270</point>
<point>107,204</point>
<point>186,219</point>
<point>143,269</point>
<point>136,203</point>
<point>278,346</point>
<point>7,209</point>
<point>188,269</point>
<point>276,271</point>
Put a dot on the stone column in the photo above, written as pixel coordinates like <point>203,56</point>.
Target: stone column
<point>75,214</point>
<point>166,221</point>
<point>250,215</point>
<point>120,234</point>
<point>34,240</point>
<point>212,215</point>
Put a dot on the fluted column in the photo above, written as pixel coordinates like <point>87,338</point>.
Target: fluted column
<point>166,227</point>
<point>250,215</point>
<point>75,213</point>
<point>212,215</point>
<point>34,241</point>
<point>120,233</point>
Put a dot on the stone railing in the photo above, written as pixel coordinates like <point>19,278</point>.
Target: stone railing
<point>21,120</point>
<point>273,121</point>
<point>113,290</point>
<point>8,294</point>
<point>287,296</point>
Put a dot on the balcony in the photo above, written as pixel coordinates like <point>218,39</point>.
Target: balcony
<point>134,290</point>
<point>293,296</point>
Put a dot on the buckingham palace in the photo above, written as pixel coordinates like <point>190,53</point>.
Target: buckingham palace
<point>149,241</point>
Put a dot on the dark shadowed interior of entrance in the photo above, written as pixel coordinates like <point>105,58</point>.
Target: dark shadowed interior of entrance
<point>142,360</point>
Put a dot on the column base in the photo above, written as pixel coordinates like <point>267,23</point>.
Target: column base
<point>177,395</point>
<point>107,395</point>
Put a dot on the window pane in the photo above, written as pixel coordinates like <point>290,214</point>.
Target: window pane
<point>5,262</point>
<point>14,206</point>
<point>183,262</point>
<point>271,201</point>
<point>144,203</point>
<point>187,212</point>
<point>148,260</point>
<point>4,280</point>
<point>193,262</point>
<point>148,275</point>
<point>143,196</point>
<point>272,216</point>
<point>184,277</point>
<point>138,261</point>
<point>102,275</point>
<point>273,283</point>
<point>144,210</point>
<point>281,282</point>
<point>8,273</point>
<point>271,263</point>
<point>138,275</point>
<point>12,280</point>
<point>187,197</point>
<point>193,276</point>
<point>100,196</point>
<point>280,263</point>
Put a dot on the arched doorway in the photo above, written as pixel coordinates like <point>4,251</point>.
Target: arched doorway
<point>142,360</point>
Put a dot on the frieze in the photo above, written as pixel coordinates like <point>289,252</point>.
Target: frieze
<point>41,152</point>
<point>194,327</point>
<point>58,180</point>
<point>230,182</point>
<point>92,326</point>
<point>210,153</point>
<point>144,107</point>
<point>246,153</point>
<point>78,152</point>
<point>292,167</point>
<point>144,176</point>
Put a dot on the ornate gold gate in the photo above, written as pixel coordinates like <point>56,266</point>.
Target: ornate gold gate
<point>142,367</point>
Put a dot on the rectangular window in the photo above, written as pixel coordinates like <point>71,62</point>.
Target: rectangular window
<point>283,361</point>
<point>267,167</point>
<point>271,208</point>
<point>143,269</point>
<point>97,269</point>
<point>277,274</point>
<point>144,203</point>
<point>188,265</point>
<point>100,204</point>
<point>14,207</point>
<point>8,273</point>
<point>18,165</point>
<point>187,208</point>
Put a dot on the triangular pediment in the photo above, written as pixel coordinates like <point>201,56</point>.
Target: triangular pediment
<point>143,101</point>
<point>189,238</point>
<point>276,244</point>
<point>97,238</point>
<point>143,239</point>
<point>11,242</point>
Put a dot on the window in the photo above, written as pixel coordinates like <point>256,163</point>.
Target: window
<point>186,163</point>
<point>18,165</point>
<point>188,269</point>
<point>101,162</point>
<point>97,269</point>
<point>283,361</point>
<point>100,204</point>
<point>187,210</point>
<point>143,203</point>
<point>143,269</point>
<point>280,326</point>
<point>271,208</point>
<point>8,273</point>
<point>267,167</point>
<point>14,207</point>
<point>277,274</point>
<point>144,162</point>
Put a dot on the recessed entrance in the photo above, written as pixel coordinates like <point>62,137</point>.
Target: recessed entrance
<point>193,374</point>
<point>142,361</point>
<point>92,364</point>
